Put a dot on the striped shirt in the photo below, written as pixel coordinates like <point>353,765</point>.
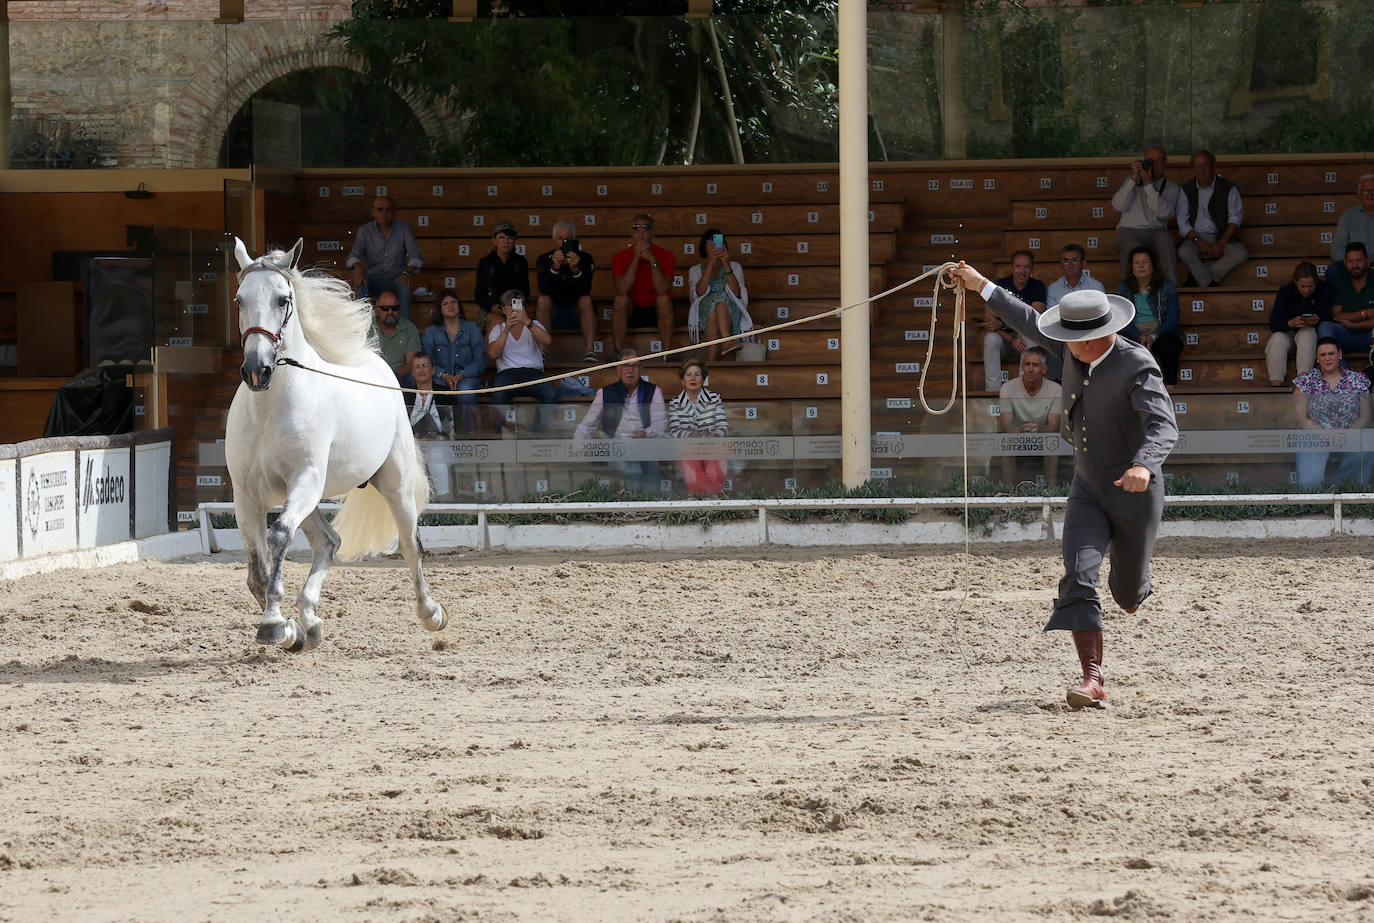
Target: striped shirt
<point>702,417</point>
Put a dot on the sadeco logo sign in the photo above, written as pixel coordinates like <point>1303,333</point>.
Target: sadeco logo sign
<point>98,491</point>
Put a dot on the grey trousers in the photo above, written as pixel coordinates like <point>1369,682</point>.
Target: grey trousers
<point>1234,254</point>
<point>1103,518</point>
<point>1157,239</point>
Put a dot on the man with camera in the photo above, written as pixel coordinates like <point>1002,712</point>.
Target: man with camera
<point>565,288</point>
<point>1146,201</point>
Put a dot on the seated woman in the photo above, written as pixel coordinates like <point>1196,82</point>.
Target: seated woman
<point>1330,397</point>
<point>517,343</point>
<point>698,412</point>
<point>459,355</point>
<point>720,299</point>
<point>1298,308</point>
<point>431,419</point>
<point>1156,324</point>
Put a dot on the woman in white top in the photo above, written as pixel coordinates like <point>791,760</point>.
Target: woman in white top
<point>697,412</point>
<point>517,343</point>
<point>720,299</point>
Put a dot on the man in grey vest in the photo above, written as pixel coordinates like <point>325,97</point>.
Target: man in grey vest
<point>1120,421</point>
<point>1209,214</point>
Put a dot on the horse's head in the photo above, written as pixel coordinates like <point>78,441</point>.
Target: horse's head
<point>267,301</point>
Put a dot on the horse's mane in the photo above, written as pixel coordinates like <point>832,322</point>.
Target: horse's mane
<point>337,325</point>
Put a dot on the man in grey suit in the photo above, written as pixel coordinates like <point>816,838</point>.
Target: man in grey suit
<point>1117,497</point>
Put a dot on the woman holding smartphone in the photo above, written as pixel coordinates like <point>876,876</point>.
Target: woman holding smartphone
<point>720,299</point>
<point>1298,308</point>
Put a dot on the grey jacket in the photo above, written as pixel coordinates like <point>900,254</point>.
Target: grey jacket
<point>1124,417</point>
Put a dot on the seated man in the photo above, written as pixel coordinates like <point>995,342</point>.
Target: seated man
<point>517,343</point>
<point>1209,214</point>
<point>431,419</point>
<point>1330,397</point>
<point>1352,303</point>
<point>1356,225</point>
<point>643,274</point>
<point>397,337</point>
<point>565,288</point>
<point>610,416</point>
<point>1030,404</point>
<point>1076,278</point>
<point>385,256</point>
<point>1146,201</point>
<point>1000,341</point>
<point>501,270</point>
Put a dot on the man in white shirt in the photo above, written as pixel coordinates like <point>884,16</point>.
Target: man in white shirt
<point>1030,404</point>
<point>631,408</point>
<point>1146,201</point>
<point>1076,278</point>
<point>1209,214</point>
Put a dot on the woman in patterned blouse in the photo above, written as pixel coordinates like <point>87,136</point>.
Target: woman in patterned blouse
<point>1330,397</point>
<point>697,412</point>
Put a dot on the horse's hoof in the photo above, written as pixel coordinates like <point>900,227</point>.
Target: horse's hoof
<point>437,622</point>
<point>313,635</point>
<point>272,634</point>
<point>294,642</point>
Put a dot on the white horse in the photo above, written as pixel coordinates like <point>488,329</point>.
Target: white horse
<point>296,436</point>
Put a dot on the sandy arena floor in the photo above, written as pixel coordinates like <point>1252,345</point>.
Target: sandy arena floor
<point>791,736</point>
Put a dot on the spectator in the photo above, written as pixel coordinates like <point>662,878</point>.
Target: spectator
<point>1000,341</point>
<point>1352,302</point>
<point>431,418</point>
<point>1076,277</point>
<point>455,346</point>
<point>1356,225</point>
<point>500,271</point>
<point>1156,324</point>
<point>720,299</point>
<point>1330,397</point>
<point>565,288</point>
<point>397,338</point>
<point>1298,308</point>
<point>517,344</point>
<point>698,412</point>
<point>609,417</point>
<point>1030,404</point>
<point>1209,214</point>
<point>643,274</point>
<point>385,256</point>
<point>1146,201</point>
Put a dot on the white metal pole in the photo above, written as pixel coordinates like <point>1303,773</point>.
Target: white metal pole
<point>855,410</point>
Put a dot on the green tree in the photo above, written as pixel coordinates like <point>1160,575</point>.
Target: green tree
<point>602,91</point>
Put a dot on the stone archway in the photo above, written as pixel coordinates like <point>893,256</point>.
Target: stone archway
<point>209,101</point>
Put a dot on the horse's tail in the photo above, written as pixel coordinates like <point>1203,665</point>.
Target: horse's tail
<point>365,524</point>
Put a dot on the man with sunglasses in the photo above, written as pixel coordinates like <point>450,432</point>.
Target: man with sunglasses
<point>643,274</point>
<point>397,337</point>
<point>1076,277</point>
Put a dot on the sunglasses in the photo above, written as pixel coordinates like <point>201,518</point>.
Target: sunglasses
<point>389,308</point>
<point>641,227</point>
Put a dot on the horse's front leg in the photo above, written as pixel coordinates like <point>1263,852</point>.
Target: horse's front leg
<point>324,542</point>
<point>301,500</point>
<point>252,522</point>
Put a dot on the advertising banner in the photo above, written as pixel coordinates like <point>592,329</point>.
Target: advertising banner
<point>9,510</point>
<point>105,492</point>
<point>48,498</point>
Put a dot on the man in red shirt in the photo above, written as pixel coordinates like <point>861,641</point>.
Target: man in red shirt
<point>643,273</point>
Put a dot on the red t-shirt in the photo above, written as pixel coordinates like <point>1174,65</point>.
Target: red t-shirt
<point>642,293</point>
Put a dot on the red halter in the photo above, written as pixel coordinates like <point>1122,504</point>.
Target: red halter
<point>286,315</point>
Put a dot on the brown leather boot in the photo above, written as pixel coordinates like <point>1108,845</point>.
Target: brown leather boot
<point>1092,691</point>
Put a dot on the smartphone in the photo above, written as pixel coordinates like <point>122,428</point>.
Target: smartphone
<point>718,241</point>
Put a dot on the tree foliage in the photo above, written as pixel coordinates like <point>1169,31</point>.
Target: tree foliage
<point>572,91</point>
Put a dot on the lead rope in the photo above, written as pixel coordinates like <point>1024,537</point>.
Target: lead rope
<point>958,379</point>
